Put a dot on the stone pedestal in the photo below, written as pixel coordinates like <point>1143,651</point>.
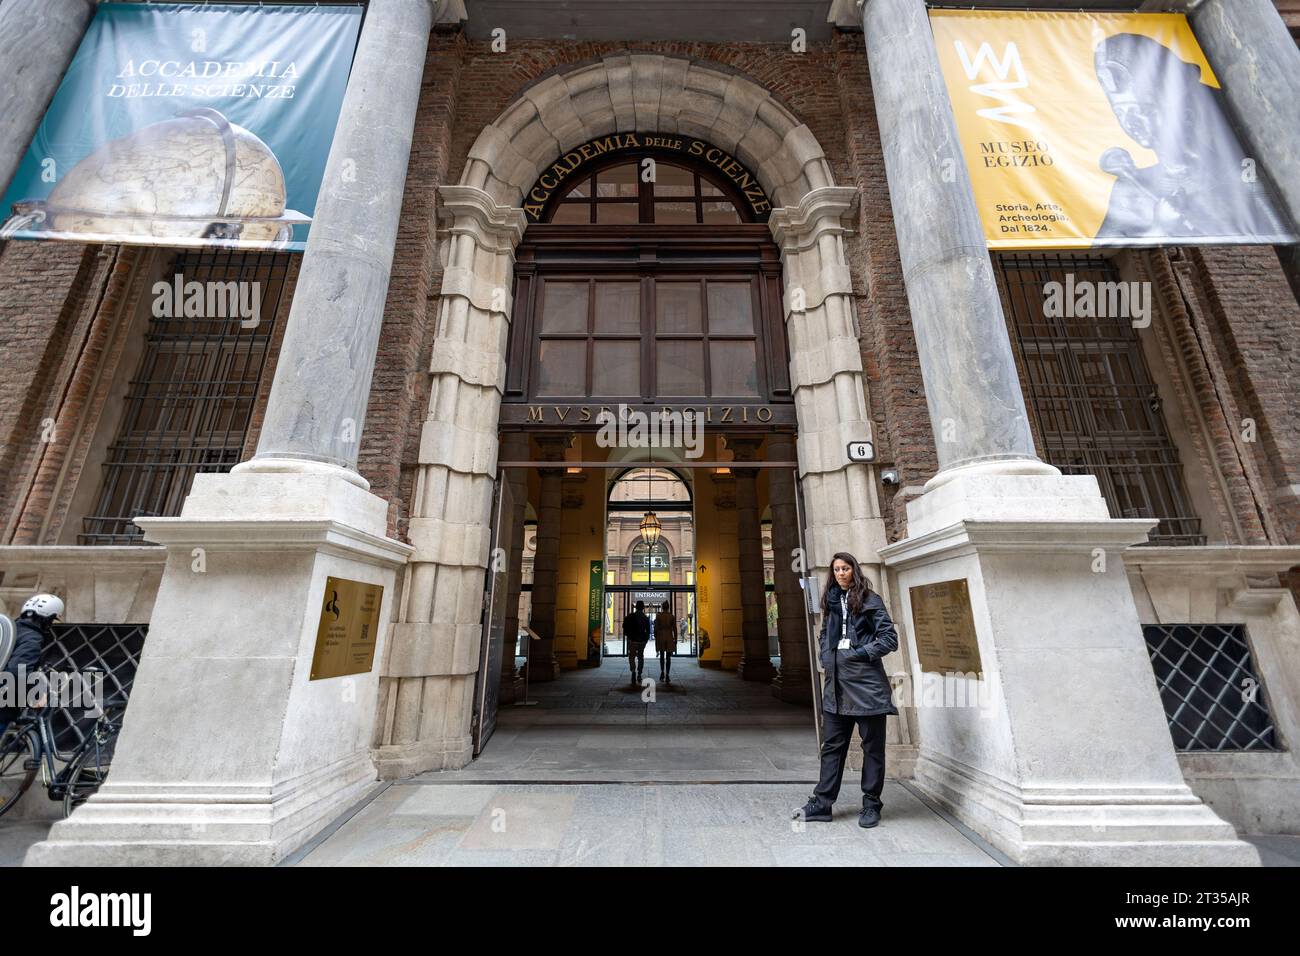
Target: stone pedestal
<point>230,753</point>
<point>1064,756</point>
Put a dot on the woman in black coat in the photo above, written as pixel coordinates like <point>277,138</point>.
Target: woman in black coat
<point>856,633</point>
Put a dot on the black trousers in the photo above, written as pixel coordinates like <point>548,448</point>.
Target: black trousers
<point>636,657</point>
<point>665,663</point>
<point>837,735</point>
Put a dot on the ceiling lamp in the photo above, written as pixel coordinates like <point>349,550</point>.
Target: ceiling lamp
<point>650,529</point>
<point>650,526</point>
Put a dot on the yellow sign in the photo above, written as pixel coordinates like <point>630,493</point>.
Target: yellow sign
<point>944,628</point>
<point>348,629</point>
<point>1098,129</point>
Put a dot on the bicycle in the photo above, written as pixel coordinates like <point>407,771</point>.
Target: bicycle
<point>28,746</point>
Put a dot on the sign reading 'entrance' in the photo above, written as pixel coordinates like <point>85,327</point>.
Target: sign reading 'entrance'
<point>945,628</point>
<point>560,173</point>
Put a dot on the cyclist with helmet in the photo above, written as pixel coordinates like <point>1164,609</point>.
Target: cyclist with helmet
<point>31,631</point>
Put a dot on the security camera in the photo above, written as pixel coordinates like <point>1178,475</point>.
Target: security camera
<point>889,476</point>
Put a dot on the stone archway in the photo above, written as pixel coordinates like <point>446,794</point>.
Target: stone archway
<point>425,709</point>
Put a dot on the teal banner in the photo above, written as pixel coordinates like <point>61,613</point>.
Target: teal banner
<point>188,124</point>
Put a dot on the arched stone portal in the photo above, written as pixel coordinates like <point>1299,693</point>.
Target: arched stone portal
<point>425,704</point>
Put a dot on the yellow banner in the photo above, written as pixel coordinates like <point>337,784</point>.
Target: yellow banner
<point>1098,129</point>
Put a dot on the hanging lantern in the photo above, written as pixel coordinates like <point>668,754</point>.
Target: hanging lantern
<point>650,526</point>
<point>650,529</point>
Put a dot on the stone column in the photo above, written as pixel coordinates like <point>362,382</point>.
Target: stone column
<point>1258,65</point>
<point>757,662</point>
<point>793,683</point>
<point>436,640</point>
<point>322,378</point>
<point>1056,632</point>
<point>514,447</point>
<point>843,507</point>
<point>234,751</point>
<point>723,577</point>
<point>38,39</point>
<point>971,385</point>
<point>542,663</point>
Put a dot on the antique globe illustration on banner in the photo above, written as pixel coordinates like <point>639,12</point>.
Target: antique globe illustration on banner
<point>194,177</point>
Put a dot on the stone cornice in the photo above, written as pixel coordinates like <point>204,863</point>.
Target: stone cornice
<point>1215,559</point>
<point>325,536</point>
<point>503,225</point>
<point>14,557</point>
<point>1068,536</point>
<point>798,226</point>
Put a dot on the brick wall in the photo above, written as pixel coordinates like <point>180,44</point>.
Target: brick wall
<point>46,290</point>
<point>48,294</point>
<point>896,396</point>
<point>1256,329</point>
<point>399,391</point>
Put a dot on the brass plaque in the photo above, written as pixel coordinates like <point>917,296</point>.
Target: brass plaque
<point>945,628</point>
<point>349,625</point>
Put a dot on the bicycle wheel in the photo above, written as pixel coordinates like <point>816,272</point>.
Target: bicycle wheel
<point>87,769</point>
<point>18,765</point>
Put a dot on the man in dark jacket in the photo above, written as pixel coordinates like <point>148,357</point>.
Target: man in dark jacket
<point>856,634</point>
<point>636,631</point>
<point>31,630</point>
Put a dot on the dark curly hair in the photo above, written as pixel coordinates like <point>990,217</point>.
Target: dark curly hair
<point>858,591</point>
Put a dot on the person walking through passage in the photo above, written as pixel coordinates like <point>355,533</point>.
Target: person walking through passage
<point>636,631</point>
<point>856,633</point>
<point>665,641</point>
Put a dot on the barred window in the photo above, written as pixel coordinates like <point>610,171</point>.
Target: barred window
<point>1211,694</point>
<point>190,402</point>
<point>1094,405</point>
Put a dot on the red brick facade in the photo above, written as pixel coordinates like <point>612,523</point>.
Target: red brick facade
<point>1234,323</point>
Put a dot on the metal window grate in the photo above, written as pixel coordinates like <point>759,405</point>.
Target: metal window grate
<point>113,648</point>
<point>1094,405</point>
<point>189,405</point>
<point>1212,698</point>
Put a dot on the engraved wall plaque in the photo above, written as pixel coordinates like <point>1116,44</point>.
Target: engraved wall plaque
<point>349,626</point>
<point>944,627</point>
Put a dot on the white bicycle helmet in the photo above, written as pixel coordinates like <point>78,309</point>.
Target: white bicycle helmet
<point>44,605</point>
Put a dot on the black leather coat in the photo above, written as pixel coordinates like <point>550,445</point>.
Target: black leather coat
<point>30,636</point>
<point>855,683</point>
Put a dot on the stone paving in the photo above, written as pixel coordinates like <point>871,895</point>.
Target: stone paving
<point>706,772</point>
<point>463,824</point>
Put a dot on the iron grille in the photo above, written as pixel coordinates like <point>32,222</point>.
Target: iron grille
<point>189,405</point>
<point>113,648</point>
<point>1095,407</point>
<point>1212,697</point>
